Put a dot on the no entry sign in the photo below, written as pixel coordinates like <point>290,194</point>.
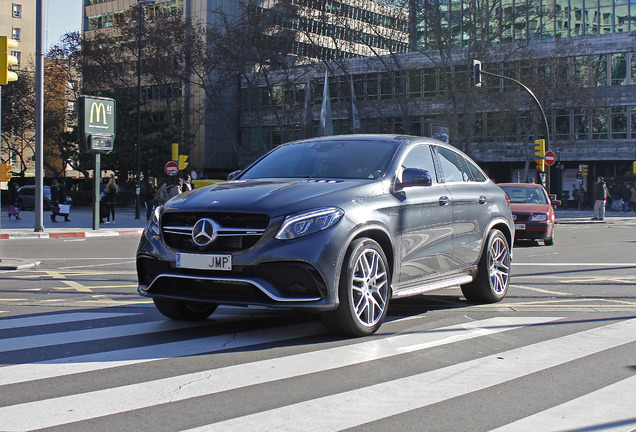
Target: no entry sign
<point>172,168</point>
<point>550,158</point>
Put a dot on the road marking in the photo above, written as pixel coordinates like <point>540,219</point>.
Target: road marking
<point>372,403</point>
<point>13,323</point>
<point>540,290</point>
<point>586,413</point>
<point>111,359</point>
<point>51,339</point>
<point>55,411</point>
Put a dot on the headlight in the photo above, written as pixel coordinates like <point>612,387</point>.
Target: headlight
<point>154,220</point>
<point>539,218</point>
<point>302,224</point>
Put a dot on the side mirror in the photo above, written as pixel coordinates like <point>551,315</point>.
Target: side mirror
<point>556,203</point>
<point>233,174</point>
<point>414,177</point>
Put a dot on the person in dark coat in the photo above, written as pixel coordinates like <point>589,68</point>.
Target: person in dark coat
<point>16,202</point>
<point>55,200</point>
<point>110,199</point>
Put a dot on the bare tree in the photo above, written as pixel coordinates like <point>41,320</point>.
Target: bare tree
<point>18,120</point>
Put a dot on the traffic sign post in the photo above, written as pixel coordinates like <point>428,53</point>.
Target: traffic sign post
<point>550,158</point>
<point>172,168</point>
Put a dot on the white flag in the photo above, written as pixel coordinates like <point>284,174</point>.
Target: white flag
<point>306,126</point>
<point>326,124</point>
<point>355,115</point>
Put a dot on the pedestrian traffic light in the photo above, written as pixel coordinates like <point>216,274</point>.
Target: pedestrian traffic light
<point>5,172</point>
<point>6,60</point>
<point>539,150</point>
<point>583,170</point>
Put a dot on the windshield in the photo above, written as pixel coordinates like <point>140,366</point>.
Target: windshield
<point>325,159</point>
<point>525,195</point>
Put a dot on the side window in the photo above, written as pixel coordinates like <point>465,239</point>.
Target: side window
<point>452,166</point>
<point>476,172</point>
<point>420,157</point>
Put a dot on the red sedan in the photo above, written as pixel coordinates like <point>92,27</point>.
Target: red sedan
<point>532,211</point>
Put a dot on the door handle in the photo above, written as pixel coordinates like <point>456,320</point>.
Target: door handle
<point>443,200</point>
<point>483,200</point>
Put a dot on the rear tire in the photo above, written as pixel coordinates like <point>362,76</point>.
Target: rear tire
<point>493,272</point>
<point>364,291</point>
<point>184,311</point>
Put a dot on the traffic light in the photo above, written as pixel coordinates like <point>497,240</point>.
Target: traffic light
<point>182,162</point>
<point>584,170</point>
<point>539,151</point>
<point>634,167</point>
<point>6,60</point>
<point>5,172</point>
<point>477,73</point>
<point>180,159</point>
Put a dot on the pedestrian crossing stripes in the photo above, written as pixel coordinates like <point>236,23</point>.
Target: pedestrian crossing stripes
<point>338,410</point>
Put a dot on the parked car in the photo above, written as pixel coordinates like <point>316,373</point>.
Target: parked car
<point>337,225</point>
<point>27,195</point>
<point>532,210</point>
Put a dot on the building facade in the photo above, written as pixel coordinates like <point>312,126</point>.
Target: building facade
<point>578,56</point>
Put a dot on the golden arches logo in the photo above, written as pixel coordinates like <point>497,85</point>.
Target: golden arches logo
<point>98,108</point>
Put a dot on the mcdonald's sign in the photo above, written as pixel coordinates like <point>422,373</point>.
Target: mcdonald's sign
<point>97,123</point>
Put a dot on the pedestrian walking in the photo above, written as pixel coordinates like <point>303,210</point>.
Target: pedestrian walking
<point>601,193</point>
<point>626,196</point>
<point>16,202</point>
<point>64,207</point>
<point>187,183</point>
<point>162,195</point>
<point>149,199</point>
<point>111,190</point>
<point>55,200</point>
<point>177,189</point>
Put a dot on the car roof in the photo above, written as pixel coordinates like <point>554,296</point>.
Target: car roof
<point>522,185</point>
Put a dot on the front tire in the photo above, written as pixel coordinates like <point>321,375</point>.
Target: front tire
<point>364,291</point>
<point>182,310</point>
<point>550,241</point>
<point>493,271</point>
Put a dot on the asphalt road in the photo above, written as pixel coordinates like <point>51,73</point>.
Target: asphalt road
<point>80,350</point>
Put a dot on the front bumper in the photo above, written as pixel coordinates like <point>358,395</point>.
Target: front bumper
<point>298,273</point>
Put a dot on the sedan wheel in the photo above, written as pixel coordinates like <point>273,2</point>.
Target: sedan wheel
<point>493,276</point>
<point>550,241</point>
<point>364,291</point>
<point>182,310</point>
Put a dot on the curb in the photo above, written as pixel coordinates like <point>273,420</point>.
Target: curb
<point>72,234</point>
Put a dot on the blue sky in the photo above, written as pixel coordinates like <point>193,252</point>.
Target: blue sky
<point>61,16</point>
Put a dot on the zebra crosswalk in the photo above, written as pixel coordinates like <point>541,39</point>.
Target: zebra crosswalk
<point>163,375</point>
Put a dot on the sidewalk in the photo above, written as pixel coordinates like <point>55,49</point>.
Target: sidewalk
<point>585,216</point>
<point>80,225</point>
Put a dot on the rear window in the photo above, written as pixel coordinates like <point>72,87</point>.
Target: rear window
<point>525,195</point>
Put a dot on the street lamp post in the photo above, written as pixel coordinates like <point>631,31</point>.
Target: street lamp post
<point>140,3</point>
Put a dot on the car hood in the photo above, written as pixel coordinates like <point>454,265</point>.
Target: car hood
<point>274,196</point>
<point>524,208</point>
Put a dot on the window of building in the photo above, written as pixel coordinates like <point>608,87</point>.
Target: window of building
<point>562,125</point>
<point>633,125</point>
<point>415,84</point>
<point>599,124</point>
<point>581,125</point>
<point>633,68</point>
<point>619,69</point>
<point>619,122</point>
<point>16,10</point>
<point>16,33</point>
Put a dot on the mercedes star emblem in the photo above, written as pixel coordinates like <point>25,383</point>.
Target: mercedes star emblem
<point>204,232</point>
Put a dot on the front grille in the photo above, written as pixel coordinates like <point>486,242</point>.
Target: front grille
<point>236,231</point>
<point>520,218</point>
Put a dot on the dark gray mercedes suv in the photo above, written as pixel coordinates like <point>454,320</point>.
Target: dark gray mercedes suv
<point>337,225</point>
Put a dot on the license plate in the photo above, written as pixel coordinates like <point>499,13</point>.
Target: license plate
<point>204,262</point>
<point>520,226</point>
